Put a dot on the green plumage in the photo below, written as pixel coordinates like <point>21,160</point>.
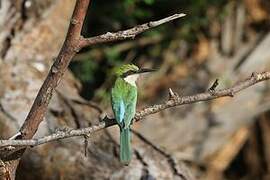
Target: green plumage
<point>123,92</point>
<point>124,99</point>
<point>125,146</point>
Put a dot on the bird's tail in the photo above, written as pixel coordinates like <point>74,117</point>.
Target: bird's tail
<point>125,146</point>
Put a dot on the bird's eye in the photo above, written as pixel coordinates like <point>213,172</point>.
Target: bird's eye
<point>131,72</point>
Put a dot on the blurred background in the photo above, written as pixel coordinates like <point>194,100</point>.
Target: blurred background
<point>227,138</point>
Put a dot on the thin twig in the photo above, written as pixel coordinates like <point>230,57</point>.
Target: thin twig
<point>172,102</point>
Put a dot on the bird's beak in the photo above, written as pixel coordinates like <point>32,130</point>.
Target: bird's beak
<point>144,70</point>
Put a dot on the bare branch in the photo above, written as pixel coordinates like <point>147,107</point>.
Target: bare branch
<point>127,34</point>
<point>172,102</point>
<point>69,49</point>
<point>255,78</point>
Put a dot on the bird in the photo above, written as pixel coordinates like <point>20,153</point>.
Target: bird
<point>123,102</point>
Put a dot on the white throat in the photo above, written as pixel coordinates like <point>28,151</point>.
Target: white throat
<point>131,79</point>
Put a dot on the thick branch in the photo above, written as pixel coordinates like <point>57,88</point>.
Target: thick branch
<point>126,34</point>
<point>173,101</point>
<point>69,49</point>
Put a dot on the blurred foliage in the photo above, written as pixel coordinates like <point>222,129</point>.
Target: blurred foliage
<point>91,66</point>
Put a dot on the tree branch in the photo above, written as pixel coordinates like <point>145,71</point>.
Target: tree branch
<point>174,100</point>
<point>69,49</point>
<point>126,34</point>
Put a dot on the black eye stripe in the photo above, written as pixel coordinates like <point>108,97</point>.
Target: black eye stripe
<point>128,73</point>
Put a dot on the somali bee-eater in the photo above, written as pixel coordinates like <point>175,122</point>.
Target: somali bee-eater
<point>123,100</point>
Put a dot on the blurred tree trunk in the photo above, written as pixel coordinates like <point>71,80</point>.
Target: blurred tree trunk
<point>31,33</point>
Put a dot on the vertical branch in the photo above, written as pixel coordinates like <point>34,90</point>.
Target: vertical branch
<point>68,50</point>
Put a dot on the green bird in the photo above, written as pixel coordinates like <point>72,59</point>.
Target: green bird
<point>123,101</point>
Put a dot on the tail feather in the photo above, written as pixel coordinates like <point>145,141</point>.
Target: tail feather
<point>125,146</point>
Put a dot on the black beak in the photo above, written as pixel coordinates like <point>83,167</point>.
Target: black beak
<point>143,70</point>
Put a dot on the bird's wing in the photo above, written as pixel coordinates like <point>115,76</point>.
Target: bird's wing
<point>130,106</point>
<point>118,106</point>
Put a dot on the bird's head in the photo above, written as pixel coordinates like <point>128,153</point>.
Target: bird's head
<point>130,72</point>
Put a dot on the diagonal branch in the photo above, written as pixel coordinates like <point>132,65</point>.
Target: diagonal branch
<point>173,101</point>
<point>127,34</point>
<point>69,49</point>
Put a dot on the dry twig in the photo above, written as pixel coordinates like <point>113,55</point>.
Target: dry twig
<point>127,34</point>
